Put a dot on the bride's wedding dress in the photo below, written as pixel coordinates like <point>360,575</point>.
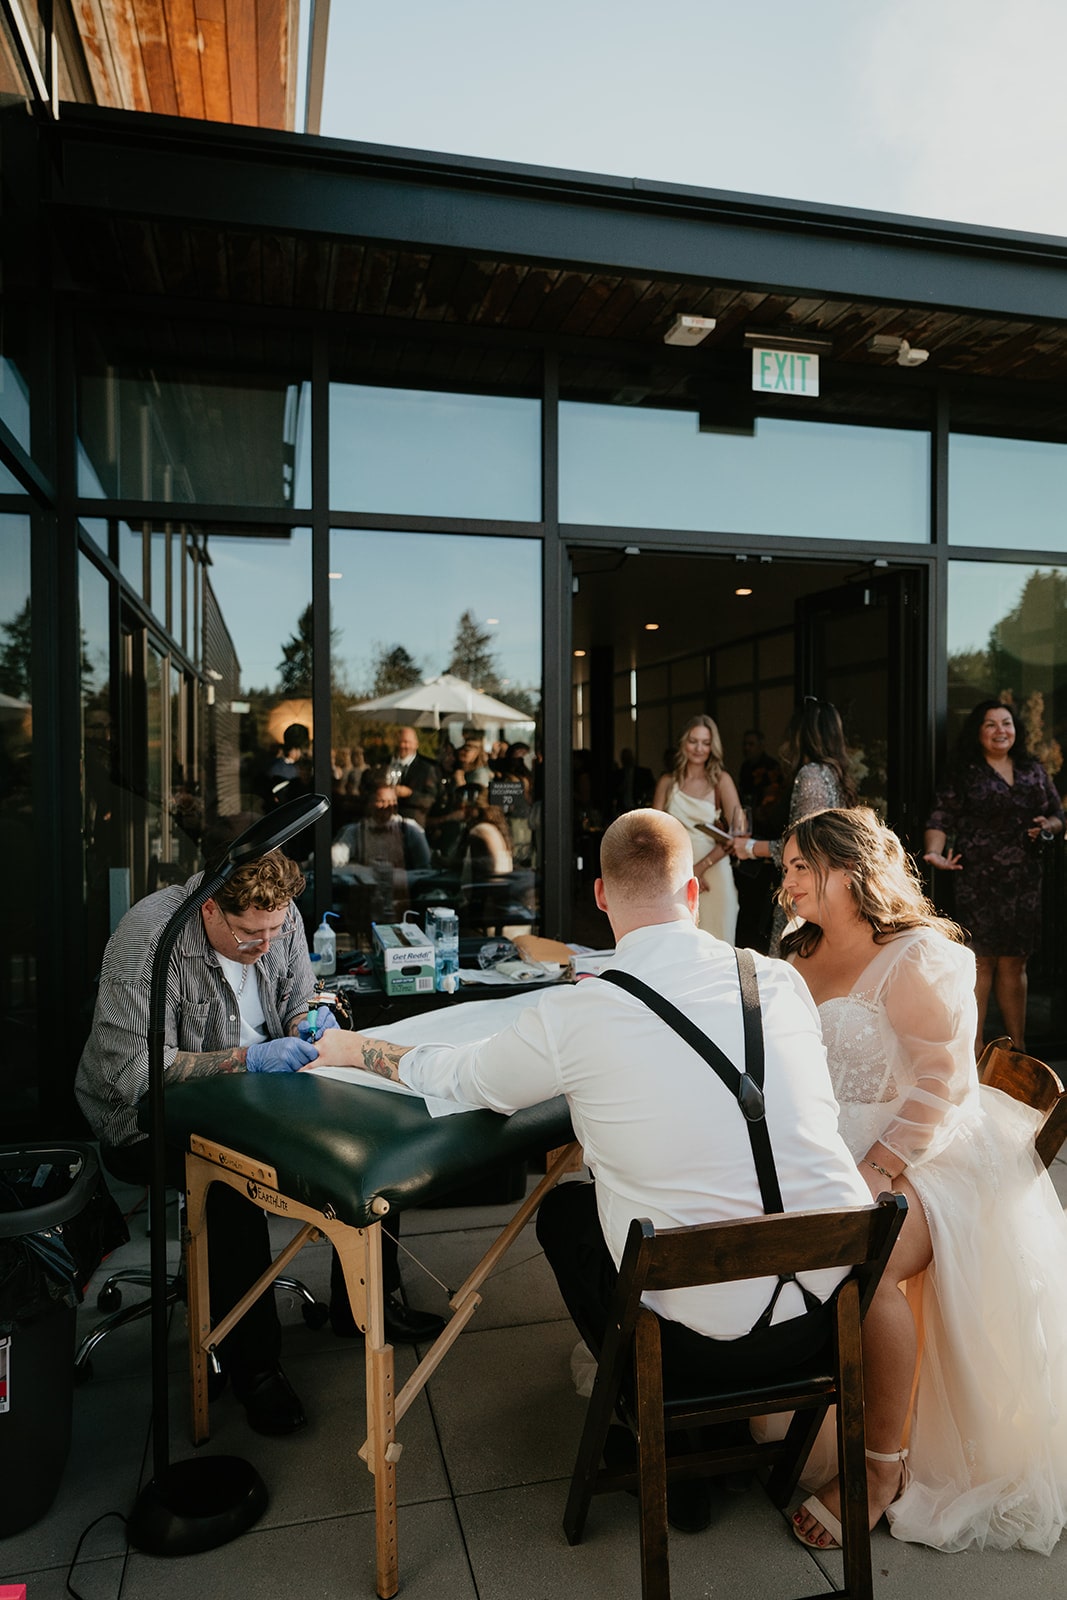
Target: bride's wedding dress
<point>988,1432</point>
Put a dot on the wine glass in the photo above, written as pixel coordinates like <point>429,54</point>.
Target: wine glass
<point>741,822</point>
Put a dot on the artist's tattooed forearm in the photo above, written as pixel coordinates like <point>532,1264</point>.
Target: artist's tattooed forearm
<point>381,1058</point>
<point>205,1063</point>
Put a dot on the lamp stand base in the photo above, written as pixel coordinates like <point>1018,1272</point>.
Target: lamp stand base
<point>197,1505</point>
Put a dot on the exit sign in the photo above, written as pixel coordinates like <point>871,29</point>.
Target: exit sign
<point>785,372</point>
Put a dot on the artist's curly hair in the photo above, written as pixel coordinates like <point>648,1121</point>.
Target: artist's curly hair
<point>883,879</point>
<point>267,884</point>
<point>264,885</point>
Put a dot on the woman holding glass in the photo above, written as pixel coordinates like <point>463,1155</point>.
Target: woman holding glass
<point>704,798</point>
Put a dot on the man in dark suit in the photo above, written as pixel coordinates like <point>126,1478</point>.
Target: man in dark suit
<point>416,785</point>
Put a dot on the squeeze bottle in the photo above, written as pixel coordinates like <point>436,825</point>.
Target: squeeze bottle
<point>446,949</point>
<point>325,944</point>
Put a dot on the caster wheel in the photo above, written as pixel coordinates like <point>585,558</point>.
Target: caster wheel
<point>315,1316</point>
<point>109,1298</point>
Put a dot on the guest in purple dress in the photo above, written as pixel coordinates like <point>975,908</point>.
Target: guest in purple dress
<point>1002,810</point>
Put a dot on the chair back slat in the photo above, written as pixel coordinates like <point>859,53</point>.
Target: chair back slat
<point>1032,1082</point>
<point>762,1247</point>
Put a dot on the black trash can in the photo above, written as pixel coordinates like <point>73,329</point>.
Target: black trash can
<point>57,1220</point>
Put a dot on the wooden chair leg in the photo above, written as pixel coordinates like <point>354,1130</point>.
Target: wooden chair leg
<point>614,1360</point>
<point>651,1459</point>
<point>799,1438</point>
<point>856,1534</point>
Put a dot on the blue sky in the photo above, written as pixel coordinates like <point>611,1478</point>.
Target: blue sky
<point>940,108</point>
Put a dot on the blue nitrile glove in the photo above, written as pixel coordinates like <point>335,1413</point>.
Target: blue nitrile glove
<point>325,1020</point>
<point>279,1055</point>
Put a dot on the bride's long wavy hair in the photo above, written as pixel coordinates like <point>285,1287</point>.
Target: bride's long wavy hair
<point>883,879</point>
<point>713,765</point>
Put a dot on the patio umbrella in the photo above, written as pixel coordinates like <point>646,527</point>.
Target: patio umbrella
<point>428,704</point>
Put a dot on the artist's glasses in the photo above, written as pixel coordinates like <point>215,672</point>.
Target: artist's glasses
<point>247,942</point>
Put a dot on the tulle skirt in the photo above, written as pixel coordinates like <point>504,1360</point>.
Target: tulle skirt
<point>987,1435</point>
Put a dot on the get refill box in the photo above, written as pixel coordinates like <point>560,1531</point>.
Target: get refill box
<point>404,958</point>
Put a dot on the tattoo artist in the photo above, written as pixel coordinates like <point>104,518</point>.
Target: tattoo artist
<point>238,992</point>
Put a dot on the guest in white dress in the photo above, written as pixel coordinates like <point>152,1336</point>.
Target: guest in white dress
<point>986,1431</point>
<point>703,796</point>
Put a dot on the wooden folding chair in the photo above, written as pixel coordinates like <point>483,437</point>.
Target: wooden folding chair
<point>1027,1079</point>
<point>723,1252</point>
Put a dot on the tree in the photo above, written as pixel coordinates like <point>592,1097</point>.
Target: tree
<point>294,669</point>
<point>472,657</point>
<point>15,655</point>
<point>394,668</point>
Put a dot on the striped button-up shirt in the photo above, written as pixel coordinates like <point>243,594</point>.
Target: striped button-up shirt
<point>202,1010</point>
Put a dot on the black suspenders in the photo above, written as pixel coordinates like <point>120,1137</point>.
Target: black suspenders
<point>746,1087</point>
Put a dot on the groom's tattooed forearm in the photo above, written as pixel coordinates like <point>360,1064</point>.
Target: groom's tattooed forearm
<point>381,1058</point>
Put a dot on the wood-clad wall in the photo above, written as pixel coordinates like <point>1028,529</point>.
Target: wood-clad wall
<point>220,60</point>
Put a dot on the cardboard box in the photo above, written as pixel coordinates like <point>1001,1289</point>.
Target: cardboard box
<point>403,957</point>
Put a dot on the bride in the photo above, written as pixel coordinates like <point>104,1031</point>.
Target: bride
<point>986,1428</point>
<point>703,796</point>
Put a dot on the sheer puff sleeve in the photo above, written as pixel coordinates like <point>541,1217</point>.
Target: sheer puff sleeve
<point>929,1006</point>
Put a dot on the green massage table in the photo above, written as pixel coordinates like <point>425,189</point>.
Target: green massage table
<point>337,1157</point>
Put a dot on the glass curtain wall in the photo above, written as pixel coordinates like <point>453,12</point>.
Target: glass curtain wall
<point>435,684</point>
<point>636,466</point>
<point>1007,640</point>
<point>18,830</point>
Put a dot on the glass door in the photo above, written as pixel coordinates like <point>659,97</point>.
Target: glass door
<point>862,645</point>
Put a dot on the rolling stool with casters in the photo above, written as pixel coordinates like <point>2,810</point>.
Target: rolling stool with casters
<point>109,1299</point>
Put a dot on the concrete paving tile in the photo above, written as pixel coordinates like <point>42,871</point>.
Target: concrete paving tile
<point>522,1289</point>
<point>903,1571</point>
<point>518,1549</point>
<point>505,1407</point>
<point>317,1472</point>
<point>329,1559</point>
<point>93,1580</point>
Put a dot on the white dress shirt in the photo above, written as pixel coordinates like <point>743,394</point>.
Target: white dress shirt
<point>662,1135</point>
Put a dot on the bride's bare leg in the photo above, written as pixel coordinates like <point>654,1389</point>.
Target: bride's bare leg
<point>889,1345</point>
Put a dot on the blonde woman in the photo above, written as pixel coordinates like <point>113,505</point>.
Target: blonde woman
<point>987,1430</point>
<point>704,797</point>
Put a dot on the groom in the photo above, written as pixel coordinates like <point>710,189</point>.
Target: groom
<point>661,1134</point>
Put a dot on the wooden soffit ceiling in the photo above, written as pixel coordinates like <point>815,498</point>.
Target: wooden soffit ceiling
<point>215,60</point>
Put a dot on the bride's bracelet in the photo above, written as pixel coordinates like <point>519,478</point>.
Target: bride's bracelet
<point>883,1171</point>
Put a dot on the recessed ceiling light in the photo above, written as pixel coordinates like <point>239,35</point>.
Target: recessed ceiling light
<point>579,652</point>
<point>742,591</point>
<point>492,622</point>
<point>651,627</point>
<point>335,574</point>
